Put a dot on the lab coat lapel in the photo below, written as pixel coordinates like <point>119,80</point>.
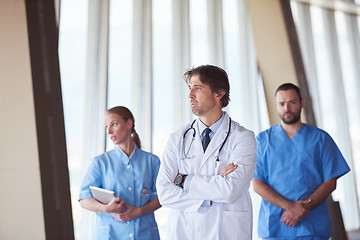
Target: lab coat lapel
<point>216,141</point>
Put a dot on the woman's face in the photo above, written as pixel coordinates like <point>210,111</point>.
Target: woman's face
<point>117,128</point>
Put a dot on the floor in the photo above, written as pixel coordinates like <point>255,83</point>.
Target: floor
<point>353,235</point>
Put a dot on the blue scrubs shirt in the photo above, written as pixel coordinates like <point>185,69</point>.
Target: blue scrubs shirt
<point>295,168</point>
<point>133,179</point>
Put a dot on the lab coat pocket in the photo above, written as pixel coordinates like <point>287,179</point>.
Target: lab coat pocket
<point>236,225</point>
<point>187,164</point>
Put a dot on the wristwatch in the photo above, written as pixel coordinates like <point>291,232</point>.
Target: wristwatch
<point>179,180</point>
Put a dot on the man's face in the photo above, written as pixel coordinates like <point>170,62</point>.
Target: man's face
<point>202,99</point>
<point>288,106</point>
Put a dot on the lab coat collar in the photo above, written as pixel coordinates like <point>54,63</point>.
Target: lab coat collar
<point>201,126</point>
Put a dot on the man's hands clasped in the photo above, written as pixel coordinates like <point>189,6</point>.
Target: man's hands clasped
<point>295,212</point>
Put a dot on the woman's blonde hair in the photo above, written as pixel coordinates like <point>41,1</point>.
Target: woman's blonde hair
<point>126,115</point>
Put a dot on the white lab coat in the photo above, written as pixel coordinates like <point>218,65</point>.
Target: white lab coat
<point>230,215</point>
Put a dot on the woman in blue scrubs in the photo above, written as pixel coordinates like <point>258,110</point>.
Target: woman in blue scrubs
<point>131,173</point>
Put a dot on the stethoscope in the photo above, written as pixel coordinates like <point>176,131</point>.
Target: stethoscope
<point>193,137</point>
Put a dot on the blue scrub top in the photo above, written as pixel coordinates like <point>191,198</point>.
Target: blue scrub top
<point>133,179</point>
<point>295,168</point>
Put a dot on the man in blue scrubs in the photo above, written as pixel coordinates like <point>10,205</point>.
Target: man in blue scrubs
<point>297,168</point>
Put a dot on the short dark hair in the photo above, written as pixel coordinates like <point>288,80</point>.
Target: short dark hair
<point>215,77</point>
<point>287,86</point>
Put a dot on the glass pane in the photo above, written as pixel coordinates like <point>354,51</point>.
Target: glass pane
<point>162,88</point>
<point>330,79</point>
<point>120,57</point>
<point>120,54</point>
<point>162,72</point>
<point>72,56</point>
<point>241,66</point>
<point>324,76</point>
<point>199,45</point>
<point>233,60</point>
<point>348,42</point>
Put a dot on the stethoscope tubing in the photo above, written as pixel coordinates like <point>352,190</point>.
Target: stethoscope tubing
<point>193,136</point>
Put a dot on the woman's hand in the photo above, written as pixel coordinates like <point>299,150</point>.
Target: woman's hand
<point>115,206</point>
<point>128,215</point>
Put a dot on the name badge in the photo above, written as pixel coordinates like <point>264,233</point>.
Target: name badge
<point>144,191</point>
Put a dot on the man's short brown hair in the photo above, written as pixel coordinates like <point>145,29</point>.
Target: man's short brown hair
<point>215,77</point>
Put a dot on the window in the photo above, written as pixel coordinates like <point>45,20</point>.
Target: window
<point>109,57</point>
<point>120,55</point>
<point>163,88</point>
<point>72,54</point>
<point>330,53</point>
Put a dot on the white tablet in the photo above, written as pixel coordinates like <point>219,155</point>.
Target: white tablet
<point>102,195</point>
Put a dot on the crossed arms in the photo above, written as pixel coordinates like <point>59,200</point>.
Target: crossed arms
<point>224,188</point>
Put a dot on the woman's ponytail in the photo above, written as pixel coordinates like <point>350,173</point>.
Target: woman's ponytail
<point>136,139</point>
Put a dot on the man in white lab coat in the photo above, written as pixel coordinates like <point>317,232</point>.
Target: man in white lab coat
<point>207,166</point>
